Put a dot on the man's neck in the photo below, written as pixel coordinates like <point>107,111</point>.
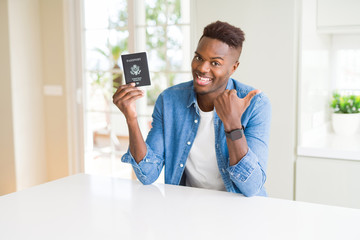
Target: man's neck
<point>206,103</point>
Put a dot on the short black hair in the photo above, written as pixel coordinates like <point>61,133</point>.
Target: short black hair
<point>223,31</point>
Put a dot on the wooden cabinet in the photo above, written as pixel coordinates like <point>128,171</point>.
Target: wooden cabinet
<point>338,16</point>
<point>328,181</point>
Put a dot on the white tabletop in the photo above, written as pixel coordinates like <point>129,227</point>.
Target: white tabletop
<point>93,207</point>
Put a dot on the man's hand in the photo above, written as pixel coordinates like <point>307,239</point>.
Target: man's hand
<point>230,108</point>
<point>125,97</point>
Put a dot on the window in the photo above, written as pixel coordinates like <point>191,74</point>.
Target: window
<point>346,50</point>
<point>115,27</point>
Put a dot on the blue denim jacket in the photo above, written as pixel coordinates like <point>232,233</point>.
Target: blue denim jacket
<point>175,123</point>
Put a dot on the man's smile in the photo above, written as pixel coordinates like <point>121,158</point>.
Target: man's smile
<point>202,80</point>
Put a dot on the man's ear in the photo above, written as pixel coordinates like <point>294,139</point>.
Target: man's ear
<point>235,66</point>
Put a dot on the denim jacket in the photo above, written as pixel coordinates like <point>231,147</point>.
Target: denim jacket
<point>175,123</point>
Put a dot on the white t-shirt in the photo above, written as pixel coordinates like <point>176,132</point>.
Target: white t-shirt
<point>201,168</point>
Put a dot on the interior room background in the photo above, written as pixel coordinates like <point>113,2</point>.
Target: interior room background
<point>59,65</point>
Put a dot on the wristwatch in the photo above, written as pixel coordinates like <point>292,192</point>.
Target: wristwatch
<point>235,134</point>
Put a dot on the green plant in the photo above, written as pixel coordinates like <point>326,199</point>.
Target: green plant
<point>345,103</point>
<point>99,82</point>
<point>113,53</point>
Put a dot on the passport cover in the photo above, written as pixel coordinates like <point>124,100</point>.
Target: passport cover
<point>136,69</point>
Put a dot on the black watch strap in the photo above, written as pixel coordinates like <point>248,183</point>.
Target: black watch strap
<point>235,134</point>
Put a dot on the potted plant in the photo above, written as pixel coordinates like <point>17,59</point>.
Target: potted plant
<point>113,53</point>
<point>346,115</point>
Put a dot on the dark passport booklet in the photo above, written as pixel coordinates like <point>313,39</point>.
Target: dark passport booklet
<point>136,68</point>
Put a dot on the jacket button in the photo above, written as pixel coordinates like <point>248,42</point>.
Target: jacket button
<point>181,165</point>
<point>188,143</point>
<point>196,121</point>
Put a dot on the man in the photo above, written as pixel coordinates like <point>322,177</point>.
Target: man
<point>211,132</point>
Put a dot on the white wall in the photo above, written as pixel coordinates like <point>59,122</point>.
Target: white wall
<point>7,156</point>
<point>34,143</point>
<point>27,98</point>
<point>268,62</point>
<point>54,74</point>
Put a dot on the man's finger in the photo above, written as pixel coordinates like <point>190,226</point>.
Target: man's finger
<point>121,87</point>
<point>128,98</point>
<point>136,97</point>
<point>125,95</point>
<point>251,94</point>
<point>233,91</point>
<point>124,89</point>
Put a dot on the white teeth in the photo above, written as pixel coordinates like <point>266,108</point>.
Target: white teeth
<point>203,79</point>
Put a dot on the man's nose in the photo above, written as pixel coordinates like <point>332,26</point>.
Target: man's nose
<point>204,66</point>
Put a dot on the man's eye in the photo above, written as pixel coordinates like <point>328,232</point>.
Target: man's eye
<point>215,64</point>
<point>197,58</point>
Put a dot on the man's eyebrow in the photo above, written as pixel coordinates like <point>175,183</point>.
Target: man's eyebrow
<point>210,58</point>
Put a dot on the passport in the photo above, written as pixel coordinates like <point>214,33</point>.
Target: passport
<point>136,69</point>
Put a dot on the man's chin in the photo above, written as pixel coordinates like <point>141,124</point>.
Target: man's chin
<point>200,90</point>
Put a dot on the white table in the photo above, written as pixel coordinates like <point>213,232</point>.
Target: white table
<point>93,207</point>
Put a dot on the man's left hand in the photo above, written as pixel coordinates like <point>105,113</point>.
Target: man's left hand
<point>229,107</point>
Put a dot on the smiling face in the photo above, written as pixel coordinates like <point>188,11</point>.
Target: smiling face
<point>213,64</point>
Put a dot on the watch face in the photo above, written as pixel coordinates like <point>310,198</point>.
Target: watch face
<point>236,134</point>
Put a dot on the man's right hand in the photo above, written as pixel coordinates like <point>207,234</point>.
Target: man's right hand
<point>125,97</point>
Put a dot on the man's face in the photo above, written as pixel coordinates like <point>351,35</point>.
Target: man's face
<point>213,64</point>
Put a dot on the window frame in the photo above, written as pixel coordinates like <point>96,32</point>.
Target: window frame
<point>76,82</point>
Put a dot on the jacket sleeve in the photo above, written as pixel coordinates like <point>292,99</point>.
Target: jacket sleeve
<point>149,168</point>
<point>249,174</point>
